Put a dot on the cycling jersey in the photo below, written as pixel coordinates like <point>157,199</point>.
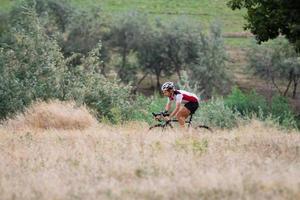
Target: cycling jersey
<point>183,97</point>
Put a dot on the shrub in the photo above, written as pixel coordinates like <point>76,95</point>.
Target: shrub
<point>252,104</point>
<point>33,68</point>
<point>246,104</point>
<point>282,113</point>
<point>216,114</point>
<point>31,65</point>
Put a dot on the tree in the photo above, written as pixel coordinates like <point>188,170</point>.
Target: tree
<point>53,15</point>
<point>294,74</point>
<point>125,34</point>
<point>31,64</point>
<point>180,40</point>
<point>207,72</point>
<point>3,23</point>
<point>32,67</point>
<point>167,48</point>
<point>83,32</point>
<point>268,19</point>
<point>276,61</point>
<point>152,55</point>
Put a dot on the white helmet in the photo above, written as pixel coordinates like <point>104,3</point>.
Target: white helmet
<point>167,85</point>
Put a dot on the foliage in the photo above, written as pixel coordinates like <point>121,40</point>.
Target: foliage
<point>85,29</point>
<point>3,23</point>
<point>268,19</point>
<point>33,67</point>
<point>179,38</point>
<point>25,73</point>
<point>152,54</point>
<point>276,61</point>
<point>216,114</point>
<point>125,35</point>
<point>282,112</point>
<point>252,104</point>
<point>246,104</point>
<point>53,15</point>
<point>171,48</point>
<point>208,71</point>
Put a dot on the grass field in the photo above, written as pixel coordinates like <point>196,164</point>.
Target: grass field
<point>42,160</point>
<point>204,11</point>
<point>5,5</point>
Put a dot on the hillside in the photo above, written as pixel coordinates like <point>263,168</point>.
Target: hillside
<point>203,11</point>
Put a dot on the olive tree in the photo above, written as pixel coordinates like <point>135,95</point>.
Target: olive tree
<point>276,62</point>
<point>208,72</point>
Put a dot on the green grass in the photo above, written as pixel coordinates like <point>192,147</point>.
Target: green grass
<point>203,11</point>
<point>237,42</point>
<point>5,5</point>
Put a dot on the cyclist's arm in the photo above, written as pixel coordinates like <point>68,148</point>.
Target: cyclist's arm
<point>177,108</point>
<point>175,111</point>
<point>168,106</point>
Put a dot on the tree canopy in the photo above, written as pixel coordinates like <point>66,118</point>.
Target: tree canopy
<point>268,19</point>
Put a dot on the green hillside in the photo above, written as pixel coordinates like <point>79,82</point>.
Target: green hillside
<point>203,11</point>
<point>5,4</point>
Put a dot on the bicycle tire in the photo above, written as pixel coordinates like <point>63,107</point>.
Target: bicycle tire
<point>204,127</point>
<point>161,126</point>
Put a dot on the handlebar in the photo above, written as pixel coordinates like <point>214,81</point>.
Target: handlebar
<point>162,114</point>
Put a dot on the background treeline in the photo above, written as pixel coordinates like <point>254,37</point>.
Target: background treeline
<point>51,50</point>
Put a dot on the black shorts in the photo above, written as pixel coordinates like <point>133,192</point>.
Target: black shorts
<point>192,106</point>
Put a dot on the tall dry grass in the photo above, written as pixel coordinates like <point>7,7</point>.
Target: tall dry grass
<point>254,161</point>
<point>53,114</point>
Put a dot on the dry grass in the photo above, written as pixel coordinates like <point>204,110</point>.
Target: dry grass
<point>254,161</point>
<point>53,114</point>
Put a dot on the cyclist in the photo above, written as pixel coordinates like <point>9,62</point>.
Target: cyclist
<point>189,100</point>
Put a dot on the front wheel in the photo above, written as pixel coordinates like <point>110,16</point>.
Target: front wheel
<point>204,127</point>
<point>162,127</point>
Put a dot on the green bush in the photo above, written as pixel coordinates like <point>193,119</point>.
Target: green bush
<point>216,114</point>
<point>142,107</point>
<point>252,104</point>
<point>33,67</point>
<point>282,112</point>
<point>246,104</point>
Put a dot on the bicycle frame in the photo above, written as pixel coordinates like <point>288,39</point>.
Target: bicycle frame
<point>168,123</point>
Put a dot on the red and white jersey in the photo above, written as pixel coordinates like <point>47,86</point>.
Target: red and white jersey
<point>181,96</point>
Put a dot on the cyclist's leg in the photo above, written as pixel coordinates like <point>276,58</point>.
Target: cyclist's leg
<point>182,115</point>
<point>192,107</point>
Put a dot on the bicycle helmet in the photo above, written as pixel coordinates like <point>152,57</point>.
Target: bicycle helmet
<point>167,86</point>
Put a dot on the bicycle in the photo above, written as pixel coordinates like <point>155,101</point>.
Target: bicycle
<point>165,124</point>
